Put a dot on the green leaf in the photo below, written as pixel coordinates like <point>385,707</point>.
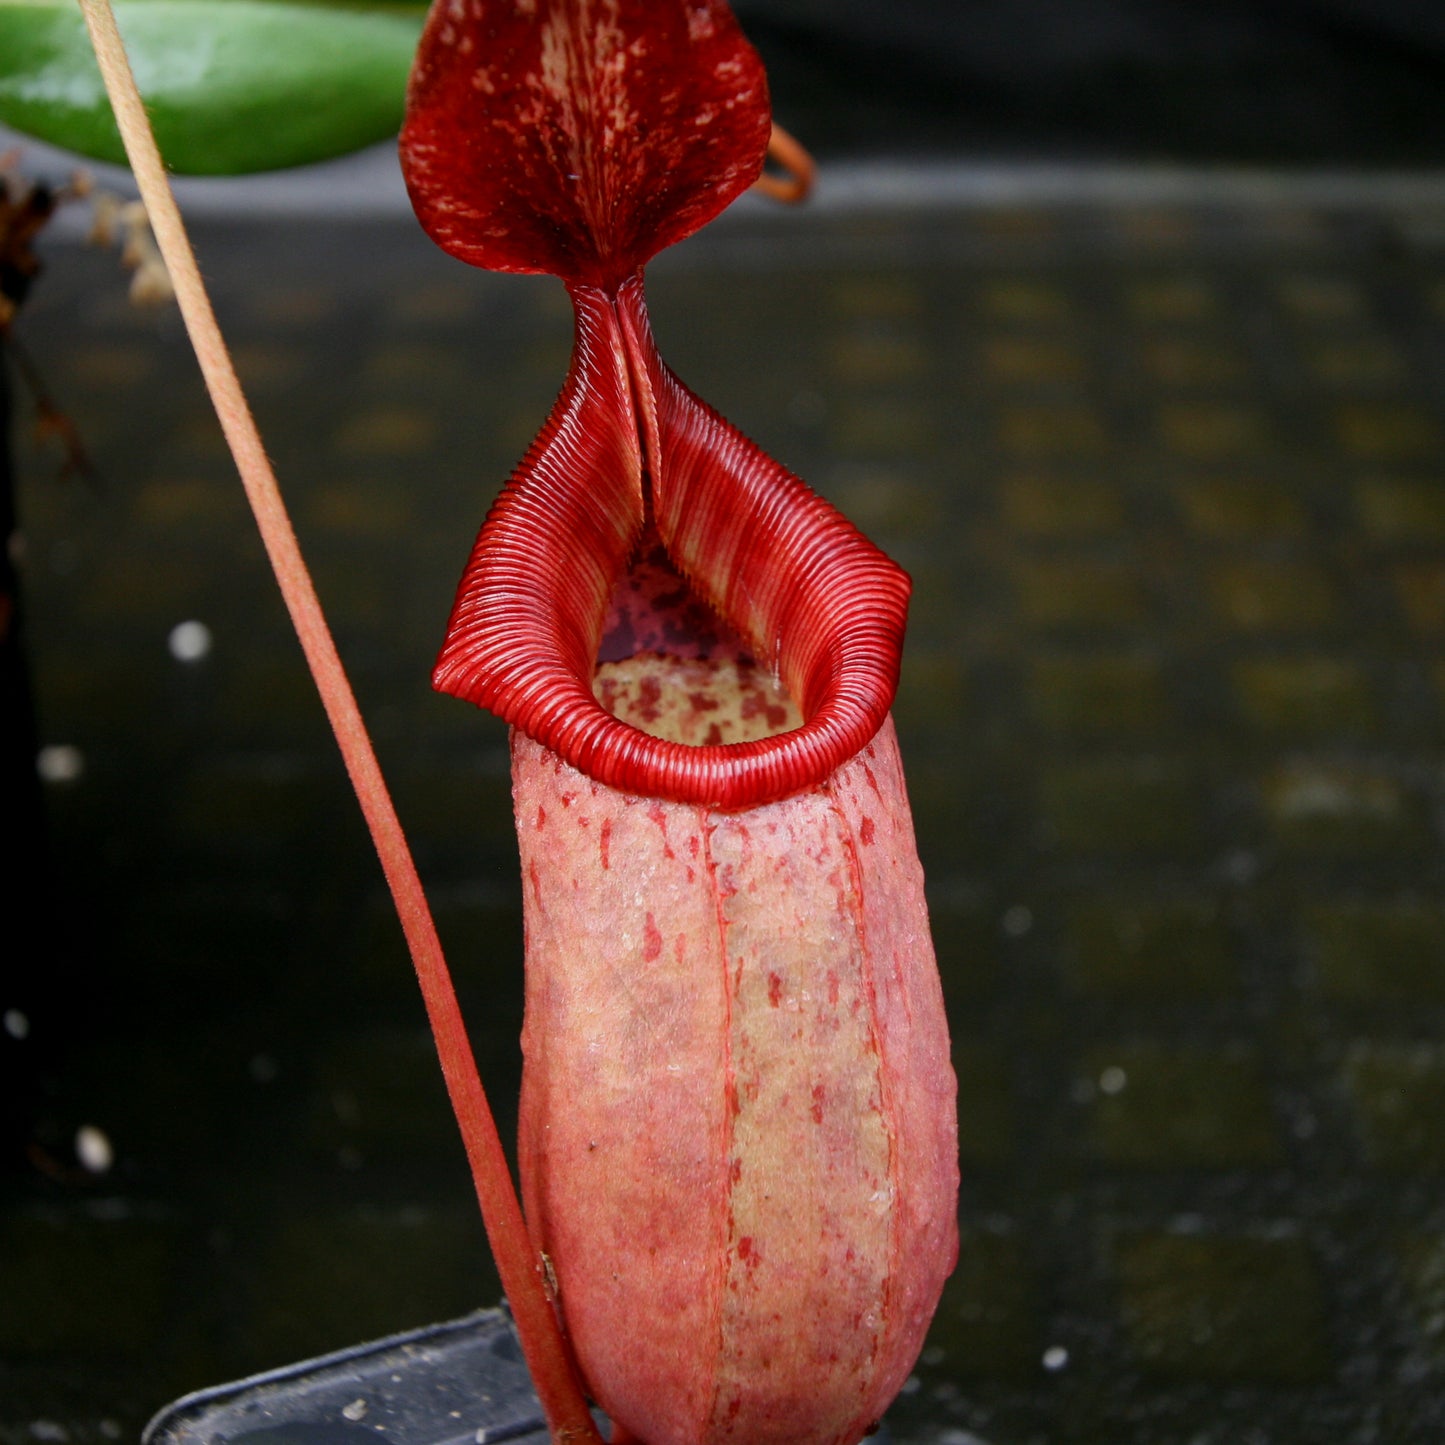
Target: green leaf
<point>231,85</point>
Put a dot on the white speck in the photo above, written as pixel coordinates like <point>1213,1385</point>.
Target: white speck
<point>189,641</point>
<point>356,1410</point>
<point>94,1149</point>
<point>49,1430</point>
<point>17,1025</point>
<point>1112,1080</point>
<point>911,1386</point>
<point>1055,1357</point>
<point>481,1436</point>
<point>59,763</point>
<point>1017,921</point>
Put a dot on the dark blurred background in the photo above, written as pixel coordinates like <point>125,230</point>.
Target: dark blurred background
<point>1167,462</point>
<point>1312,82</point>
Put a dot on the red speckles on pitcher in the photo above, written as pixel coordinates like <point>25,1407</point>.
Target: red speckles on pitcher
<point>740,1155</point>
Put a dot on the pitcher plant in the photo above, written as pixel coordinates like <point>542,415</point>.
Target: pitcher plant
<point>738,1139</point>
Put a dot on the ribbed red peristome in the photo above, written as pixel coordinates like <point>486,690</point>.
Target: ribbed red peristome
<point>579,137</point>
<point>810,595</point>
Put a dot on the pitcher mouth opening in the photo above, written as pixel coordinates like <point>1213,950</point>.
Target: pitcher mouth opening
<point>675,671</point>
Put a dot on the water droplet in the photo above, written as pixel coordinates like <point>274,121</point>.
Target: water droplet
<point>94,1149</point>
<point>59,763</point>
<point>1112,1080</point>
<point>189,641</point>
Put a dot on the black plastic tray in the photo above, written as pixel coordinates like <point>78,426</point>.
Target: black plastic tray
<point>459,1383</point>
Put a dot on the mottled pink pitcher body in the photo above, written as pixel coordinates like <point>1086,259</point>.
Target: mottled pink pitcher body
<point>738,1137</point>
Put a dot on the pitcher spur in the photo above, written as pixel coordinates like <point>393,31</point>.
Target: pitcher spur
<point>738,1138</point>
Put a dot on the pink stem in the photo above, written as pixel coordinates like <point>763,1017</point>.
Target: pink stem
<point>517,1260</point>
